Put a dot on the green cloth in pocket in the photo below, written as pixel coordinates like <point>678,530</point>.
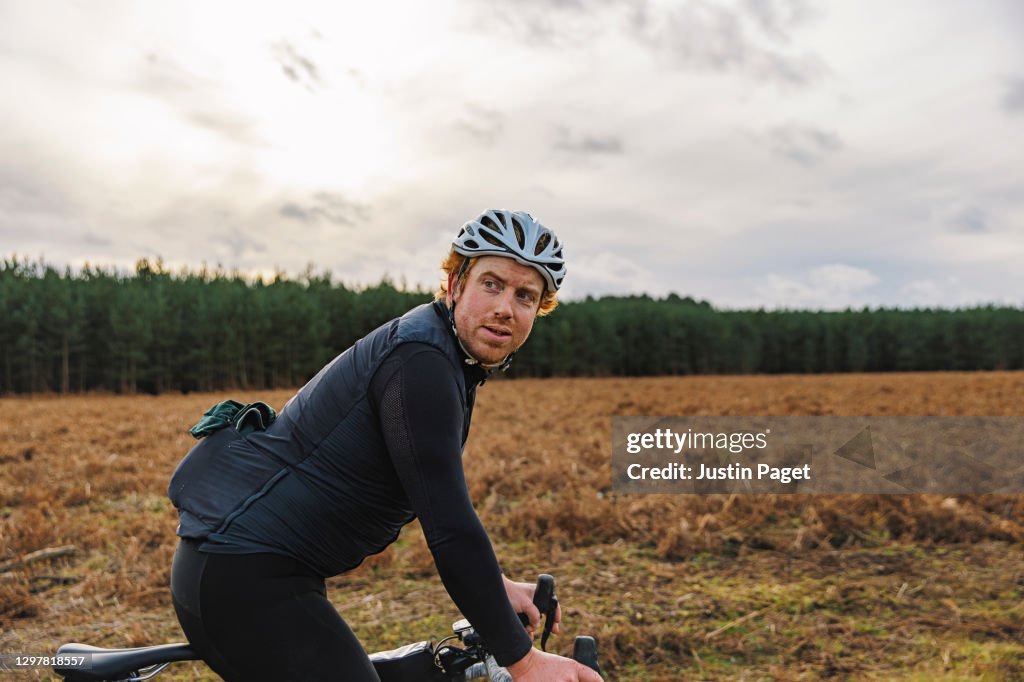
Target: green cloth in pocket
<point>245,418</point>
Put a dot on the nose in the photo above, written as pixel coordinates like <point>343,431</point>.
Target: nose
<point>503,304</point>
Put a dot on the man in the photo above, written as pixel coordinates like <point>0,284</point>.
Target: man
<point>372,441</point>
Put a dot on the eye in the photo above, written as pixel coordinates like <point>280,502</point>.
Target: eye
<point>527,297</point>
<point>490,284</point>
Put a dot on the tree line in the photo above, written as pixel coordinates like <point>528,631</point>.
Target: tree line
<point>152,331</point>
<point>642,336</point>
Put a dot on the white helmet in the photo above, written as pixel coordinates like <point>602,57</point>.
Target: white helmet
<point>514,234</point>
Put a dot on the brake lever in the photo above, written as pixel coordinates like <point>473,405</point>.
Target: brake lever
<point>547,603</point>
<point>584,650</point>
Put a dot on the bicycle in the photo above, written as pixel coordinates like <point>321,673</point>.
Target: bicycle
<point>418,662</point>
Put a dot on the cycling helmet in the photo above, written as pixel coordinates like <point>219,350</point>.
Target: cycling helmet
<point>514,234</point>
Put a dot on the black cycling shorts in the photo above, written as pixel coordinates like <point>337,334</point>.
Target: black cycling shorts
<point>263,617</point>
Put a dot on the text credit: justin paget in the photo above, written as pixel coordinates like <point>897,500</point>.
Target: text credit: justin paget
<point>823,454</point>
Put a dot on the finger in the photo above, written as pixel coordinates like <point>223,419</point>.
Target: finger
<point>585,674</point>
<point>533,613</point>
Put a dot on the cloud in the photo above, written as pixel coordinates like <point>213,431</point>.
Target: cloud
<point>295,66</point>
<point>950,291</point>
<point>34,214</point>
<point>747,36</point>
<point>241,243</point>
<point>832,286</point>
<point>586,145</point>
<point>19,194</point>
<point>843,278</point>
<point>295,212</point>
<point>608,274</point>
<point>966,217</point>
<point>930,292</point>
<point>481,123</point>
<point>776,18</point>
<point>1013,98</point>
<point>95,239</point>
<point>970,219</point>
<point>331,207</point>
<point>705,36</point>
<point>163,77</point>
<point>231,127</point>
<point>542,23</point>
<point>196,98</point>
<point>805,145</point>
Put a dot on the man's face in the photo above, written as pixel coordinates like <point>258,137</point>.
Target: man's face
<point>495,310</point>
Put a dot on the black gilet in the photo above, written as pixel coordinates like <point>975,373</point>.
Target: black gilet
<point>318,484</point>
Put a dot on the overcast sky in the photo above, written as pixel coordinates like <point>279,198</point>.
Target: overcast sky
<point>750,153</point>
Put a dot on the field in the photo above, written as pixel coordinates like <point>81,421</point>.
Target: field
<point>673,587</point>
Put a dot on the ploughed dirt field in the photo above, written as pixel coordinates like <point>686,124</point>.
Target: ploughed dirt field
<point>674,587</point>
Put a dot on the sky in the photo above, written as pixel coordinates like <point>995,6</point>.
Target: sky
<point>753,153</point>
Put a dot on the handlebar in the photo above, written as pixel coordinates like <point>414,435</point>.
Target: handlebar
<point>495,671</point>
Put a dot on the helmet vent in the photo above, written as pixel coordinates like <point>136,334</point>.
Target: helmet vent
<point>472,244</point>
<point>542,243</point>
<point>520,237</point>
<point>491,239</point>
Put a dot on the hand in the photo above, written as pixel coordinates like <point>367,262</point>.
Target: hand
<point>520,595</point>
<point>537,666</point>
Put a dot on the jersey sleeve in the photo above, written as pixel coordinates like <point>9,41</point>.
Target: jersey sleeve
<point>421,415</point>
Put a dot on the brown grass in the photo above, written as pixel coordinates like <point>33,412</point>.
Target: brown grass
<point>842,586</point>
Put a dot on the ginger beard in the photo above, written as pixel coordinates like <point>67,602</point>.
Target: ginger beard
<point>496,306</point>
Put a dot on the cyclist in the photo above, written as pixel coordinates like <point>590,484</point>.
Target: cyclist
<point>372,441</point>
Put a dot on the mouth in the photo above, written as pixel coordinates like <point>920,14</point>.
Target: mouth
<point>498,332</point>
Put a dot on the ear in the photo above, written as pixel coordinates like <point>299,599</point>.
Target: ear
<point>452,276</point>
